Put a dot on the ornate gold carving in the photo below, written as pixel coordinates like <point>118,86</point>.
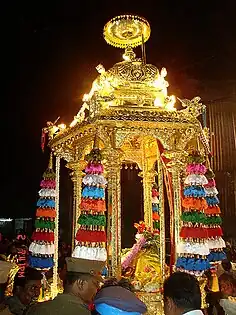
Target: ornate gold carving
<point>177,159</point>
<point>148,179</point>
<point>153,301</point>
<point>76,177</point>
<point>112,162</point>
<point>126,31</point>
<point>129,109</point>
<point>56,231</point>
<point>162,218</point>
<point>203,282</point>
<point>193,107</point>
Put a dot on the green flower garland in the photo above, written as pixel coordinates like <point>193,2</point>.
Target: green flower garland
<point>198,217</point>
<point>90,219</point>
<point>43,224</point>
<point>95,156</point>
<point>156,225</point>
<point>49,174</point>
<point>195,157</point>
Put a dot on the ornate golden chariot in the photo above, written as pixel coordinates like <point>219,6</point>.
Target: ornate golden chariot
<point>129,111</point>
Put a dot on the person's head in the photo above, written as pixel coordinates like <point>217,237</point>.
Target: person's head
<point>11,249</point>
<point>83,277</point>
<point>123,282</point>
<point>181,294</point>
<point>227,284</point>
<point>27,289</point>
<point>226,265</point>
<point>82,285</point>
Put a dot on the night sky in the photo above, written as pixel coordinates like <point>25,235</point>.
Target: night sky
<point>51,49</point>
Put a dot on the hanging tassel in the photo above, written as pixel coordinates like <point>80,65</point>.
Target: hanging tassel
<point>214,283</point>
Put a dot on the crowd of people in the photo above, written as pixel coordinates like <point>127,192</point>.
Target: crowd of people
<point>86,292</point>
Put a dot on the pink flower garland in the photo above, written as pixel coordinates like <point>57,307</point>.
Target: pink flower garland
<point>196,169</point>
<point>49,183</point>
<point>211,183</point>
<point>92,168</point>
<point>133,253</point>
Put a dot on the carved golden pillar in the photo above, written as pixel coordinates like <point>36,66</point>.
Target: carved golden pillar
<point>162,219</point>
<point>177,203</point>
<point>76,177</point>
<point>148,180</point>
<point>56,231</point>
<point>175,167</point>
<point>112,168</point>
<point>148,175</point>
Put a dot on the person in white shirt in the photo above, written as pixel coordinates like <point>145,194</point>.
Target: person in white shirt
<point>182,295</point>
<point>228,290</point>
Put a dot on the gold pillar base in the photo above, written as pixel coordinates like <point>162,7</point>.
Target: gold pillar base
<point>153,302</point>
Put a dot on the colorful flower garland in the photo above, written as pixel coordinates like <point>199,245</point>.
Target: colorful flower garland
<point>193,248</point>
<point>91,235</point>
<point>42,248</point>
<point>155,209</point>
<point>216,243</point>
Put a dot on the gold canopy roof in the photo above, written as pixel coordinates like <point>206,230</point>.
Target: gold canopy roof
<point>130,92</point>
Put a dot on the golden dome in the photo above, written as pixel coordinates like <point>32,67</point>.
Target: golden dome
<point>134,71</point>
<point>132,82</point>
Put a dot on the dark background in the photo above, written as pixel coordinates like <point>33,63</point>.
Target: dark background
<point>51,49</point>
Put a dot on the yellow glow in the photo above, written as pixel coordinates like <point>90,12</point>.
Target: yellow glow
<point>125,57</point>
<point>73,123</point>
<point>158,102</point>
<point>171,103</point>
<point>163,72</point>
<point>85,98</point>
<point>157,83</point>
<point>62,126</point>
<point>100,69</point>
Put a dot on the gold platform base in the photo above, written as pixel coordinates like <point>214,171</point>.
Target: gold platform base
<point>153,302</point>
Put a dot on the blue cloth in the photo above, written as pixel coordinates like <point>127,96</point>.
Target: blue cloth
<point>155,207</point>
<point>41,262</point>
<point>46,203</point>
<point>192,264</point>
<point>104,272</point>
<point>120,298</point>
<point>212,201</point>
<point>93,192</point>
<point>216,256</point>
<point>194,191</point>
<point>105,309</point>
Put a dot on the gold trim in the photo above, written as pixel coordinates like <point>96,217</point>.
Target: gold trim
<point>56,231</point>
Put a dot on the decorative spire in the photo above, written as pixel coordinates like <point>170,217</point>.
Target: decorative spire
<point>96,142</point>
<point>129,54</point>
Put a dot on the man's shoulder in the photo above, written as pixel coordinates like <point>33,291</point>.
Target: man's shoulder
<point>61,305</point>
<point>4,309</point>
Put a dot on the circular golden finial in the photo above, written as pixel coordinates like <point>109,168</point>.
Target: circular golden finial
<point>127,31</point>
